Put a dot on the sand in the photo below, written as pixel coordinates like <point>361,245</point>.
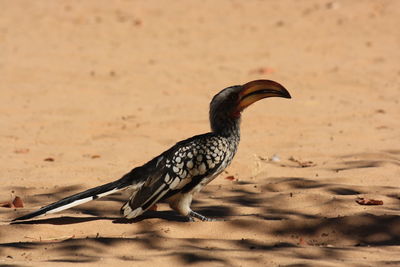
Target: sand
<point>91,89</point>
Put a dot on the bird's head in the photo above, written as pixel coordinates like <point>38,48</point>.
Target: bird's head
<point>228,104</point>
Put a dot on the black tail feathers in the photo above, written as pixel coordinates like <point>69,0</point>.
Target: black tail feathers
<point>80,198</point>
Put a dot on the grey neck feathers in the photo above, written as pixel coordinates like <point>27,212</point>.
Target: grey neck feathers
<point>225,126</point>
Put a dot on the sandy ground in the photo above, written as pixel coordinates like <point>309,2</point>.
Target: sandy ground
<point>100,87</point>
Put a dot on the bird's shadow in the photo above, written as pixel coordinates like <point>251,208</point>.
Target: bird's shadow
<point>67,220</point>
<point>164,215</point>
<point>64,220</point>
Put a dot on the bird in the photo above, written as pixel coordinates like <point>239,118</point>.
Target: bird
<point>180,172</point>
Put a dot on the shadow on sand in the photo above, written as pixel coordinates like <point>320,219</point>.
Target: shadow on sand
<point>271,216</point>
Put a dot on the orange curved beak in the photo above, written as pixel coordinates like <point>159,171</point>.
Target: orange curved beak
<point>259,89</point>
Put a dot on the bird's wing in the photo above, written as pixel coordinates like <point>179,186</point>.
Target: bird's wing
<point>148,194</point>
<point>168,173</point>
<point>160,180</point>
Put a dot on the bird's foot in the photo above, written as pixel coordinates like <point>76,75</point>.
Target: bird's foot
<point>190,219</point>
<point>193,214</point>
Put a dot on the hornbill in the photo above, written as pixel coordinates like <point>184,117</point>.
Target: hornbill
<point>184,169</point>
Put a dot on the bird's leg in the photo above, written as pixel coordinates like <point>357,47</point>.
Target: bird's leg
<point>193,214</point>
<point>181,203</point>
<point>190,219</point>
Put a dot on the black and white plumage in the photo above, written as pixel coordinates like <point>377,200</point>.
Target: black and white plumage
<point>181,171</point>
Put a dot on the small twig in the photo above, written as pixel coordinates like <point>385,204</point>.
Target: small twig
<point>303,164</point>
